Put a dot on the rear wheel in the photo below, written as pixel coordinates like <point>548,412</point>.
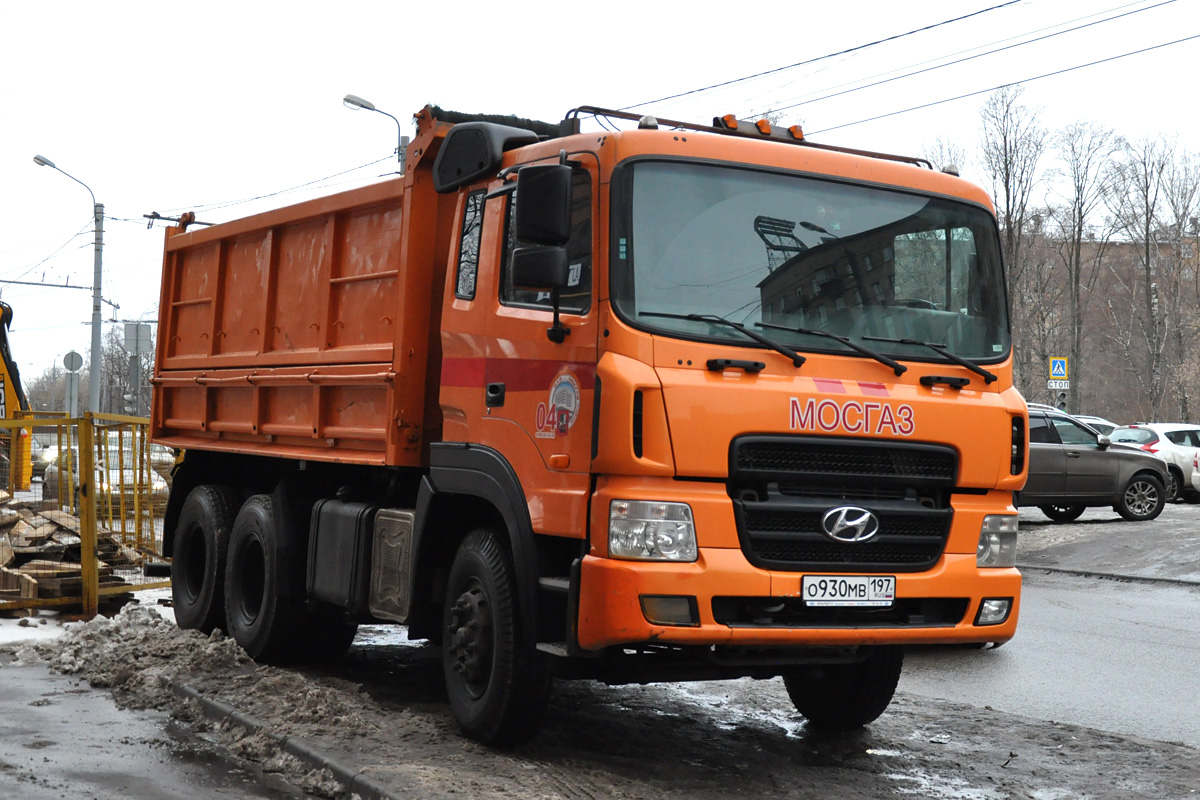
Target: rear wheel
<point>1143,499</point>
<point>498,685</point>
<point>846,696</point>
<point>267,626</point>
<point>1062,513</point>
<point>1174,485</point>
<point>198,557</point>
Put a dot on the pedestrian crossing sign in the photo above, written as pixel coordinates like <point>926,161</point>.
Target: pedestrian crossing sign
<point>1058,369</point>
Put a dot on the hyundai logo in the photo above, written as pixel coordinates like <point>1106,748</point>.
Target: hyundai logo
<point>849,524</point>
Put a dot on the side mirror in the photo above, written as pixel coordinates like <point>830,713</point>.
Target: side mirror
<point>1103,441</point>
<point>540,267</point>
<point>544,204</point>
<point>543,267</point>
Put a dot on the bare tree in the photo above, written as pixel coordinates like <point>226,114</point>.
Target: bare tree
<point>1181,195</point>
<point>944,154</point>
<point>1135,200</point>
<point>1013,145</point>
<point>1083,150</point>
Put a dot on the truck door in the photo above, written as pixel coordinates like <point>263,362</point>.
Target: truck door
<point>538,395</point>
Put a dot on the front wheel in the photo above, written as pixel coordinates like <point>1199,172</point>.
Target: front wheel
<point>1143,499</point>
<point>846,696</point>
<point>498,685</point>
<point>1062,513</point>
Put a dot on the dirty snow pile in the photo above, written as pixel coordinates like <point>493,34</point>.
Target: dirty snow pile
<point>139,655</point>
<point>138,652</point>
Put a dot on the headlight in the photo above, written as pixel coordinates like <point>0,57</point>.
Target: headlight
<point>997,541</point>
<point>648,531</point>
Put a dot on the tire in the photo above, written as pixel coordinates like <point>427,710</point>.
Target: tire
<point>1191,496</point>
<point>498,685</point>
<point>268,627</point>
<point>847,696</point>
<point>198,557</point>
<point>1174,487</point>
<point>1062,513</point>
<point>1143,499</point>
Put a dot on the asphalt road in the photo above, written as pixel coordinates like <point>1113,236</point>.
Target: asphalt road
<point>1112,655</point>
<point>60,738</point>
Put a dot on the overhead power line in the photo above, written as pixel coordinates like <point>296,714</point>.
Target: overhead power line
<point>227,204</point>
<point>819,58</point>
<point>971,57</point>
<point>1004,85</point>
<point>57,250</point>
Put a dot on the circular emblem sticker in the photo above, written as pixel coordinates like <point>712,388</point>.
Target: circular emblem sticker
<point>557,418</point>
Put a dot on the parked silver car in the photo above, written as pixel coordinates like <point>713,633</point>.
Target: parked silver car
<point>1071,467</point>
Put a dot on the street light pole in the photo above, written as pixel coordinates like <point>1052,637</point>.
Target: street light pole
<point>98,209</point>
<point>354,102</point>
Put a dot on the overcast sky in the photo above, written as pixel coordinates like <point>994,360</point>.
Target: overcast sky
<point>170,106</point>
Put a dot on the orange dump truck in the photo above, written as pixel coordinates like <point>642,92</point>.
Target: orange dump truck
<point>673,402</point>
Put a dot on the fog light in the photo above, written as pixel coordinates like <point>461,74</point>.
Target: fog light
<point>997,541</point>
<point>668,610</point>
<point>993,611</point>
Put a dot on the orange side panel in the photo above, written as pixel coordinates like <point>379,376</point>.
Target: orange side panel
<point>305,331</point>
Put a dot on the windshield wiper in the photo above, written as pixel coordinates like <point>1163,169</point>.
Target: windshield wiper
<point>897,368</point>
<point>940,349</point>
<point>797,359</point>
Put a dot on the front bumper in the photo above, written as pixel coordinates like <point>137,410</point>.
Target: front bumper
<point>936,606</point>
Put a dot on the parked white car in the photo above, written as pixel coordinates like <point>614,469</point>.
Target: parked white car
<point>1178,444</point>
<point>1099,423</point>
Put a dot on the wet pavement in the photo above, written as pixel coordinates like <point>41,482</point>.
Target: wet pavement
<point>61,738</point>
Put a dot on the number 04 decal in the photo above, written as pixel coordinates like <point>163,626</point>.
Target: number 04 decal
<point>555,419</point>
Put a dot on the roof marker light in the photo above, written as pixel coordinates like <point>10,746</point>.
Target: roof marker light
<point>764,127</point>
<point>797,132</point>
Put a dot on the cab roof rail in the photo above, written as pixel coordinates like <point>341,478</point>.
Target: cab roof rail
<point>727,125</point>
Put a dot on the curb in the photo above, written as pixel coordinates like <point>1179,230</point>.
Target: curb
<point>350,777</point>
<point>1115,576</point>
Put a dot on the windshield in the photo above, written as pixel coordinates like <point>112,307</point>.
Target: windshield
<point>791,252</point>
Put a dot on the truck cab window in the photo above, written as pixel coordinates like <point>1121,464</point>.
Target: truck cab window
<point>577,297</point>
<point>468,247</point>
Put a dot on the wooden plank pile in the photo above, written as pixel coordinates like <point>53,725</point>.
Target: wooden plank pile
<point>40,555</point>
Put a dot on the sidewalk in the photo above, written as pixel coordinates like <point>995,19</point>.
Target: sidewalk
<point>1101,543</point>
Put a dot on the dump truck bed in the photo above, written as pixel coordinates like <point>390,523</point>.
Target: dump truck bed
<point>304,332</point>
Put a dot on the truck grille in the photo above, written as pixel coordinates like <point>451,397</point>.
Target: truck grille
<point>782,487</point>
<point>849,458</point>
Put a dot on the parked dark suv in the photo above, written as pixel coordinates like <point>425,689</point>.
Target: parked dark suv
<point>1071,467</point>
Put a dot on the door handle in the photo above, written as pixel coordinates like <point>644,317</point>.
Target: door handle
<point>1072,454</point>
<point>494,395</point>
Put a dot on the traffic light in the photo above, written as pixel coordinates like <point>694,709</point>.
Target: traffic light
<point>1061,401</point>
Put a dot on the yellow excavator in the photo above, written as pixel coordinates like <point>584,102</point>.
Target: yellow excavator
<point>16,468</point>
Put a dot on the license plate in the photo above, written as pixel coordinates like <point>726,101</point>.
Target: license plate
<point>849,590</point>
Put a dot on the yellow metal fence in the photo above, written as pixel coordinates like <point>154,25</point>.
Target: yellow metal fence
<point>81,505</point>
